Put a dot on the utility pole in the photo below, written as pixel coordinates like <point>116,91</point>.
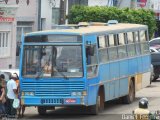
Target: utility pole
<point>39,15</point>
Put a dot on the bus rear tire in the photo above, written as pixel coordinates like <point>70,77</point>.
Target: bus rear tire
<point>42,110</point>
<point>131,95</point>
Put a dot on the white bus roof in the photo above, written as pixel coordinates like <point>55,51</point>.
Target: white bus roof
<point>93,29</point>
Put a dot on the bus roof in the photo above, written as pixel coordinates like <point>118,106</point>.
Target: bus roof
<point>92,29</point>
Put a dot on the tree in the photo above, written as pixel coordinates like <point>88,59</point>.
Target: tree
<point>103,14</point>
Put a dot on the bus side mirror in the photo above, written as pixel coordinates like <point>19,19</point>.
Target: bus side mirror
<point>90,50</point>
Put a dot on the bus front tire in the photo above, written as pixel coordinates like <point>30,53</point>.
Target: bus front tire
<point>94,109</point>
<point>42,110</point>
<point>99,106</point>
<point>131,95</point>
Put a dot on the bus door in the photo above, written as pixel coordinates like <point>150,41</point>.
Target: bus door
<point>91,69</point>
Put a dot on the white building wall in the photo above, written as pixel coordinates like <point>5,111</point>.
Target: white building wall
<point>46,12</point>
<point>100,2</point>
<point>124,3</point>
<point>24,13</point>
<point>155,5</point>
<point>9,60</point>
<point>28,12</point>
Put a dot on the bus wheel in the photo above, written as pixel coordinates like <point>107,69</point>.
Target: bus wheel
<point>131,96</point>
<point>42,110</point>
<point>95,109</point>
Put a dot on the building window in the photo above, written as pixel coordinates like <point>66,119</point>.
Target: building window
<point>55,16</point>
<point>4,44</point>
<point>22,27</point>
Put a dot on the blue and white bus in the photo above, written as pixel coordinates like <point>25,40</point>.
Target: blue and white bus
<point>85,66</point>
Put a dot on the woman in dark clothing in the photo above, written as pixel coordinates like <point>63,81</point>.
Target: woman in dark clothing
<point>2,99</point>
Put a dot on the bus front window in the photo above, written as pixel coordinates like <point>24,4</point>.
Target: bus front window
<point>52,61</point>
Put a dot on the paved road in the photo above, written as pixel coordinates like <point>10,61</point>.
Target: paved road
<point>113,110</point>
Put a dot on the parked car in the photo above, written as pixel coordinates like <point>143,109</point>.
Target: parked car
<point>155,57</point>
<point>8,72</point>
<point>154,41</point>
<point>155,48</point>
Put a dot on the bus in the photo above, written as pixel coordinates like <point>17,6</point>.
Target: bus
<point>85,66</point>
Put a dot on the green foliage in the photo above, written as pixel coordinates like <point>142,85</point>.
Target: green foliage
<point>103,14</point>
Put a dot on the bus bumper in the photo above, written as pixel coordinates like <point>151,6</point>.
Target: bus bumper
<point>53,101</point>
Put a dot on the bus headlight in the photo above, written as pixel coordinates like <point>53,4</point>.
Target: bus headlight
<point>29,93</point>
<point>79,93</point>
<point>76,93</point>
<point>73,94</point>
<point>83,93</point>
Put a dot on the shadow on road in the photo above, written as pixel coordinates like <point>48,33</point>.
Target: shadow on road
<point>73,113</point>
<point>112,108</point>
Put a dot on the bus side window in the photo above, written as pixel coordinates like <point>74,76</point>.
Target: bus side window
<point>101,41</point>
<point>137,42</point>
<point>102,48</point>
<point>112,50</point>
<point>144,43</point>
<point>122,53</point>
<point>131,46</point>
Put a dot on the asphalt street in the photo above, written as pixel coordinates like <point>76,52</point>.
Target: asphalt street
<point>113,110</point>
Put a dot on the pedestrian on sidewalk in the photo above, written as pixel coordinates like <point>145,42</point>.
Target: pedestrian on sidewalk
<point>21,107</point>
<point>2,99</point>
<point>2,81</point>
<point>11,95</point>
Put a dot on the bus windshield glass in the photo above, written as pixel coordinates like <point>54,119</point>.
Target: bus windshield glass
<point>52,61</point>
<point>53,38</point>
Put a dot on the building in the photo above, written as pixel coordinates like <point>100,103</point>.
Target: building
<point>15,19</point>
<point>22,16</point>
<point>134,4</point>
<point>57,10</point>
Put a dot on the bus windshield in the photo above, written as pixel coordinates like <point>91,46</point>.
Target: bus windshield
<point>52,61</point>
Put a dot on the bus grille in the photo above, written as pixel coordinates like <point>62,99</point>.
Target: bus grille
<point>52,88</point>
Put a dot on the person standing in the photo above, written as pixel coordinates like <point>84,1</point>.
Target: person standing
<point>11,95</point>
<point>2,81</point>
<point>2,100</point>
<point>21,107</point>
<point>142,112</point>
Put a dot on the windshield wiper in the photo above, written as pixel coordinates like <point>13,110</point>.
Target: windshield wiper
<point>40,73</point>
<point>64,76</point>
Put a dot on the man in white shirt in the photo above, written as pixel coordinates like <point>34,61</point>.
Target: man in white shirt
<point>11,95</point>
